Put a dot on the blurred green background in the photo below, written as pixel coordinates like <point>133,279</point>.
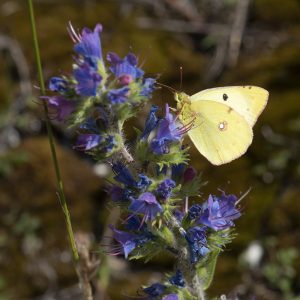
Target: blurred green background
<point>217,42</point>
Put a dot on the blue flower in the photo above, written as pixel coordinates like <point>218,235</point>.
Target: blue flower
<point>219,212</point>
<point>119,194</point>
<point>61,107</point>
<point>87,141</point>
<point>167,132</point>
<point>177,171</point>
<point>123,175</point>
<point>196,239</point>
<point>177,279</point>
<point>127,240</point>
<point>147,205</point>
<point>155,290</point>
<point>134,223</point>
<point>151,122</point>
<point>125,69</point>
<point>148,87</point>
<point>109,144</point>
<point>171,297</point>
<point>87,79</point>
<point>58,84</point>
<point>144,182</point>
<point>116,193</point>
<point>195,211</point>
<point>179,215</point>
<point>90,126</point>
<point>117,96</point>
<point>89,43</point>
<point>99,121</point>
<point>164,189</point>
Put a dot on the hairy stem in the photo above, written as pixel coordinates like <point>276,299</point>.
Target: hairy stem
<point>60,186</point>
<point>198,288</point>
<point>188,269</point>
<point>124,152</point>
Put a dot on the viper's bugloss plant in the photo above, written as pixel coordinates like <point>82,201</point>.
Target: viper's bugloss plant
<point>153,183</point>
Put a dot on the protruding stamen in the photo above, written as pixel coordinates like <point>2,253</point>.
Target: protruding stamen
<point>75,37</point>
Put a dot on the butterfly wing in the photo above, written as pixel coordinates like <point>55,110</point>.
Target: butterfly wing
<point>220,133</point>
<point>248,101</point>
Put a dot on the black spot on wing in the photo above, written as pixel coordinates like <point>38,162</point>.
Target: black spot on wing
<point>225,97</point>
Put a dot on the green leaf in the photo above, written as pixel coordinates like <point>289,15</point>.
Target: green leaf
<point>206,269</point>
<point>192,188</point>
<point>146,251</point>
<point>83,111</point>
<point>124,112</point>
<point>165,235</point>
<point>219,239</point>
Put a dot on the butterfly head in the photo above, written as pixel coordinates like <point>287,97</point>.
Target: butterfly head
<point>181,98</point>
<point>186,115</point>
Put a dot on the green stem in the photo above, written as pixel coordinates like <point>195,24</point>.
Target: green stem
<point>60,186</point>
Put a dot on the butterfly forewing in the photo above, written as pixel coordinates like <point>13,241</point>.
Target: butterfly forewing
<point>248,101</point>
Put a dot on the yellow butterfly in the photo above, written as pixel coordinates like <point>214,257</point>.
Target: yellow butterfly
<point>222,119</point>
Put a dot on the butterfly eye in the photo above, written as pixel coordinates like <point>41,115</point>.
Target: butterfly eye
<point>222,126</point>
<point>225,97</point>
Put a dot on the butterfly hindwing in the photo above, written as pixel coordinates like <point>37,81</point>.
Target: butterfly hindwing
<point>222,134</point>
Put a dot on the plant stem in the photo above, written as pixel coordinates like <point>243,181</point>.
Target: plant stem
<point>197,287</point>
<point>60,185</point>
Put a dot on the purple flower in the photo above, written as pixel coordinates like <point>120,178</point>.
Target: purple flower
<point>58,84</point>
<point>61,106</point>
<point>179,215</point>
<point>177,279</point>
<point>89,125</point>
<point>125,69</point>
<point>155,290</point>
<point>123,175</point>
<point>177,171</point>
<point>87,79</point>
<point>89,43</point>
<point>109,144</point>
<point>164,189</point>
<point>148,87</point>
<point>119,194</point>
<point>219,212</point>
<point>117,96</point>
<point>196,239</point>
<point>167,132</point>
<point>134,223</point>
<point>87,141</point>
<point>144,182</point>
<point>115,193</point>
<point>171,297</point>
<point>147,205</point>
<point>195,211</point>
<point>151,122</point>
<point>127,240</point>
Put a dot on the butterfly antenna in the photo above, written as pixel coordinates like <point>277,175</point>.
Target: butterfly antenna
<point>181,72</point>
<point>168,87</point>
